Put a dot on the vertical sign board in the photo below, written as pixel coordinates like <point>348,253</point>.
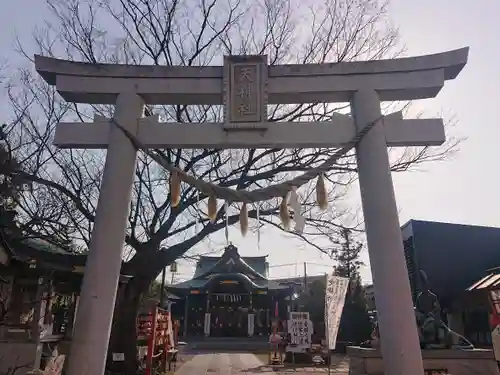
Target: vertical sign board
<point>336,289</point>
<point>300,328</point>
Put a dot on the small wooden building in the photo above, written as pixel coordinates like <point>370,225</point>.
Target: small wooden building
<point>39,289</point>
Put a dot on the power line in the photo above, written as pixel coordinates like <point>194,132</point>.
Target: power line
<point>294,264</point>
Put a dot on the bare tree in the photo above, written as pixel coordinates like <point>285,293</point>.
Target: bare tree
<point>65,183</point>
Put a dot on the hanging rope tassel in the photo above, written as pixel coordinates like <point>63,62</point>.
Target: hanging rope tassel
<point>175,189</point>
<point>284,215</point>
<point>321,196</point>
<point>258,227</point>
<point>269,192</point>
<point>226,229</point>
<point>212,208</point>
<point>244,219</point>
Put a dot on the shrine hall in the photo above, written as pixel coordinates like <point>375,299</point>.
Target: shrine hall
<point>230,296</point>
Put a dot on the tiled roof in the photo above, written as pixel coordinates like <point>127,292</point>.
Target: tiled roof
<point>45,253</point>
<point>488,282</point>
<point>206,263</point>
<point>42,245</point>
<point>201,284</point>
<point>230,265</point>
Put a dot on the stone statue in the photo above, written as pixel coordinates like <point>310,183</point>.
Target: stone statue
<point>433,332</point>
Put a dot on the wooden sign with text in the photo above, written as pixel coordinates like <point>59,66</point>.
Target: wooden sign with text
<point>245,89</point>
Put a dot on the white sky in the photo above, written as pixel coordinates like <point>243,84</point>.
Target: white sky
<point>462,190</point>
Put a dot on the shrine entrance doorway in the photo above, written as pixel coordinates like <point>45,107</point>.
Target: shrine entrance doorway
<point>230,303</point>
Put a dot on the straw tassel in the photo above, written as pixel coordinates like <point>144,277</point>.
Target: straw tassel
<point>321,196</point>
<point>175,189</point>
<point>212,208</point>
<point>284,215</point>
<point>244,219</point>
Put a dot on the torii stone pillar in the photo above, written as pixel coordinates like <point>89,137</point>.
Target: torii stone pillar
<point>393,298</point>
<point>102,269</point>
<point>246,85</point>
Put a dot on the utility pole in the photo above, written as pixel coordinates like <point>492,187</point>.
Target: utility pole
<point>162,290</point>
<point>305,277</point>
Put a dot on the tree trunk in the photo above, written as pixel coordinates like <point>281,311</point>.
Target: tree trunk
<point>124,330</point>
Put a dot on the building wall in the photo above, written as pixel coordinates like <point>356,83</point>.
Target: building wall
<point>454,256</point>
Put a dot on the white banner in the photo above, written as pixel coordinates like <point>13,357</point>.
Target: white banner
<point>336,289</point>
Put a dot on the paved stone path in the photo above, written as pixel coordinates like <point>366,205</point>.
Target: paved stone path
<point>247,364</point>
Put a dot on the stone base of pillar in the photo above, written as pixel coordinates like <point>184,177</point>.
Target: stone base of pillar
<point>366,361</point>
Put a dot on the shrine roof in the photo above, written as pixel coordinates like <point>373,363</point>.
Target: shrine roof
<point>231,261</point>
<point>39,249</point>
<point>45,254</point>
<point>205,265</point>
<point>230,266</point>
<point>187,285</point>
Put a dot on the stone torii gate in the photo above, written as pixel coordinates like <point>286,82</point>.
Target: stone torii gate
<point>363,84</point>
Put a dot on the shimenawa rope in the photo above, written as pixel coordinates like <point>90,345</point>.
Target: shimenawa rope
<point>257,195</point>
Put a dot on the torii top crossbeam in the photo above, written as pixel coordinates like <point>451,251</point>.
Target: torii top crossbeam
<point>245,103</point>
<point>396,79</point>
